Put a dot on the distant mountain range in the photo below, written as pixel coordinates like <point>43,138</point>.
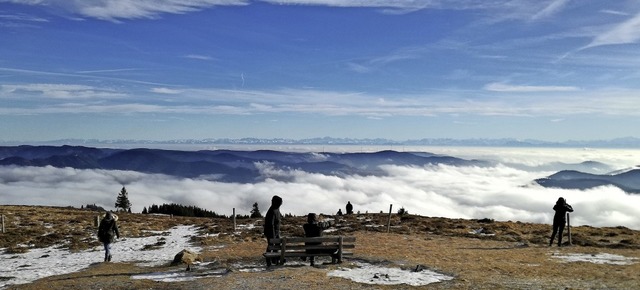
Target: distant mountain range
<point>219,165</point>
<point>248,166</point>
<point>627,180</point>
<point>626,142</point>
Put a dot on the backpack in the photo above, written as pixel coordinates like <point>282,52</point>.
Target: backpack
<point>105,232</point>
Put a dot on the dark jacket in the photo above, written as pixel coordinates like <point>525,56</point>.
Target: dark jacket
<point>272,222</point>
<point>108,230</point>
<point>314,228</point>
<point>561,209</point>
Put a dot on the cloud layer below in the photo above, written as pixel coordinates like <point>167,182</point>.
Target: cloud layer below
<point>500,192</point>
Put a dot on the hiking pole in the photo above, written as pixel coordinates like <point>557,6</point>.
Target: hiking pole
<point>569,228</point>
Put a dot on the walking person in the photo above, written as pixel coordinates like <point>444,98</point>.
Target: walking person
<point>559,219</point>
<point>107,232</point>
<point>272,221</point>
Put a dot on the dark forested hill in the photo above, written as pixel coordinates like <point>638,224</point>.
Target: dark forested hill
<point>220,165</point>
<point>628,181</point>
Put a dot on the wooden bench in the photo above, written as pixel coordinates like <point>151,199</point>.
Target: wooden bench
<point>297,247</point>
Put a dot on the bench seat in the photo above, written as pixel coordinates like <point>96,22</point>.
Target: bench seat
<point>334,246</point>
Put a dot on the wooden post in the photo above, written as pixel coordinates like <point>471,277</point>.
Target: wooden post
<point>389,220</point>
<point>3,224</point>
<point>340,241</point>
<point>569,229</point>
<point>283,248</point>
<point>234,219</point>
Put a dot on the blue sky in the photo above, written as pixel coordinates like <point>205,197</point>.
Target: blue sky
<point>162,70</point>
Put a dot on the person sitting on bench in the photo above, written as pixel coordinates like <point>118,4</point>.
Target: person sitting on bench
<point>314,228</point>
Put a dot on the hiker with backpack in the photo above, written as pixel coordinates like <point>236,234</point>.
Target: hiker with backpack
<point>107,233</point>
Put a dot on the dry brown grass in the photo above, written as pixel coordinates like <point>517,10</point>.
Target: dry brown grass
<point>515,257</point>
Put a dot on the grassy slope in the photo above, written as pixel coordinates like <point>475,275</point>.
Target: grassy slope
<point>516,257</point>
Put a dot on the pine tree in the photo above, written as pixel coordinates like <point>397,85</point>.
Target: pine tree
<point>255,212</point>
<point>144,210</point>
<point>122,201</point>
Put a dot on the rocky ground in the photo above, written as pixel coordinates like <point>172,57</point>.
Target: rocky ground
<point>477,254</point>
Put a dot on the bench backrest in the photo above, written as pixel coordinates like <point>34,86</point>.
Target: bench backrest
<point>294,244</point>
<point>325,239</point>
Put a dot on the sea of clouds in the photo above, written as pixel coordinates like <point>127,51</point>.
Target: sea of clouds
<point>504,191</point>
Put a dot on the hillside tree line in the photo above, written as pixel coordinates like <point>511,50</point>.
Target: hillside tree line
<point>180,210</point>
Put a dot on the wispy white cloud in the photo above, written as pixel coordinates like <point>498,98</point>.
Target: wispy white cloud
<point>130,9</point>
<point>391,6</point>
<point>59,91</point>
<point>544,101</point>
<point>117,70</point>
<point>551,9</point>
<point>165,91</point>
<point>22,17</point>
<point>615,12</point>
<point>92,75</point>
<point>359,68</point>
<point>622,33</point>
<point>374,63</point>
<point>503,87</point>
<point>117,11</point>
<point>199,57</point>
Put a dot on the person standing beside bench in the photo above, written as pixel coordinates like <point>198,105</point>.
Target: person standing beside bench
<point>314,228</point>
<point>272,222</point>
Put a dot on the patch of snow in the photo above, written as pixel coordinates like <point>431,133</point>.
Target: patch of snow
<point>374,226</point>
<point>179,275</point>
<point>380,275</point>
<point>600,258</point>
<point>44,262</point>
<point>481,232</point>
<point>247,226</point>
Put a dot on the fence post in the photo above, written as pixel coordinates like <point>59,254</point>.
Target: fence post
<point>389,220</point>
<point>234,219</point>
<point>3,224</point>
<point>569,228</point>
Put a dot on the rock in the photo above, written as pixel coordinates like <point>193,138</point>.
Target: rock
<point>185,257</point>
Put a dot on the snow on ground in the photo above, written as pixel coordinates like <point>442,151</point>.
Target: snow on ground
<point>363,273</point>
<point>164,245</point>
<point>600,258</point>
<point>161,248</point>
<point>376,274</point>
<point>40,263</point>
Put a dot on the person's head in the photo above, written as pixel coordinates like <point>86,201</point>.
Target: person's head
<point>312,218</point>
<point>276,201</point>
<point>560,201</point>
<point>108,215</point>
